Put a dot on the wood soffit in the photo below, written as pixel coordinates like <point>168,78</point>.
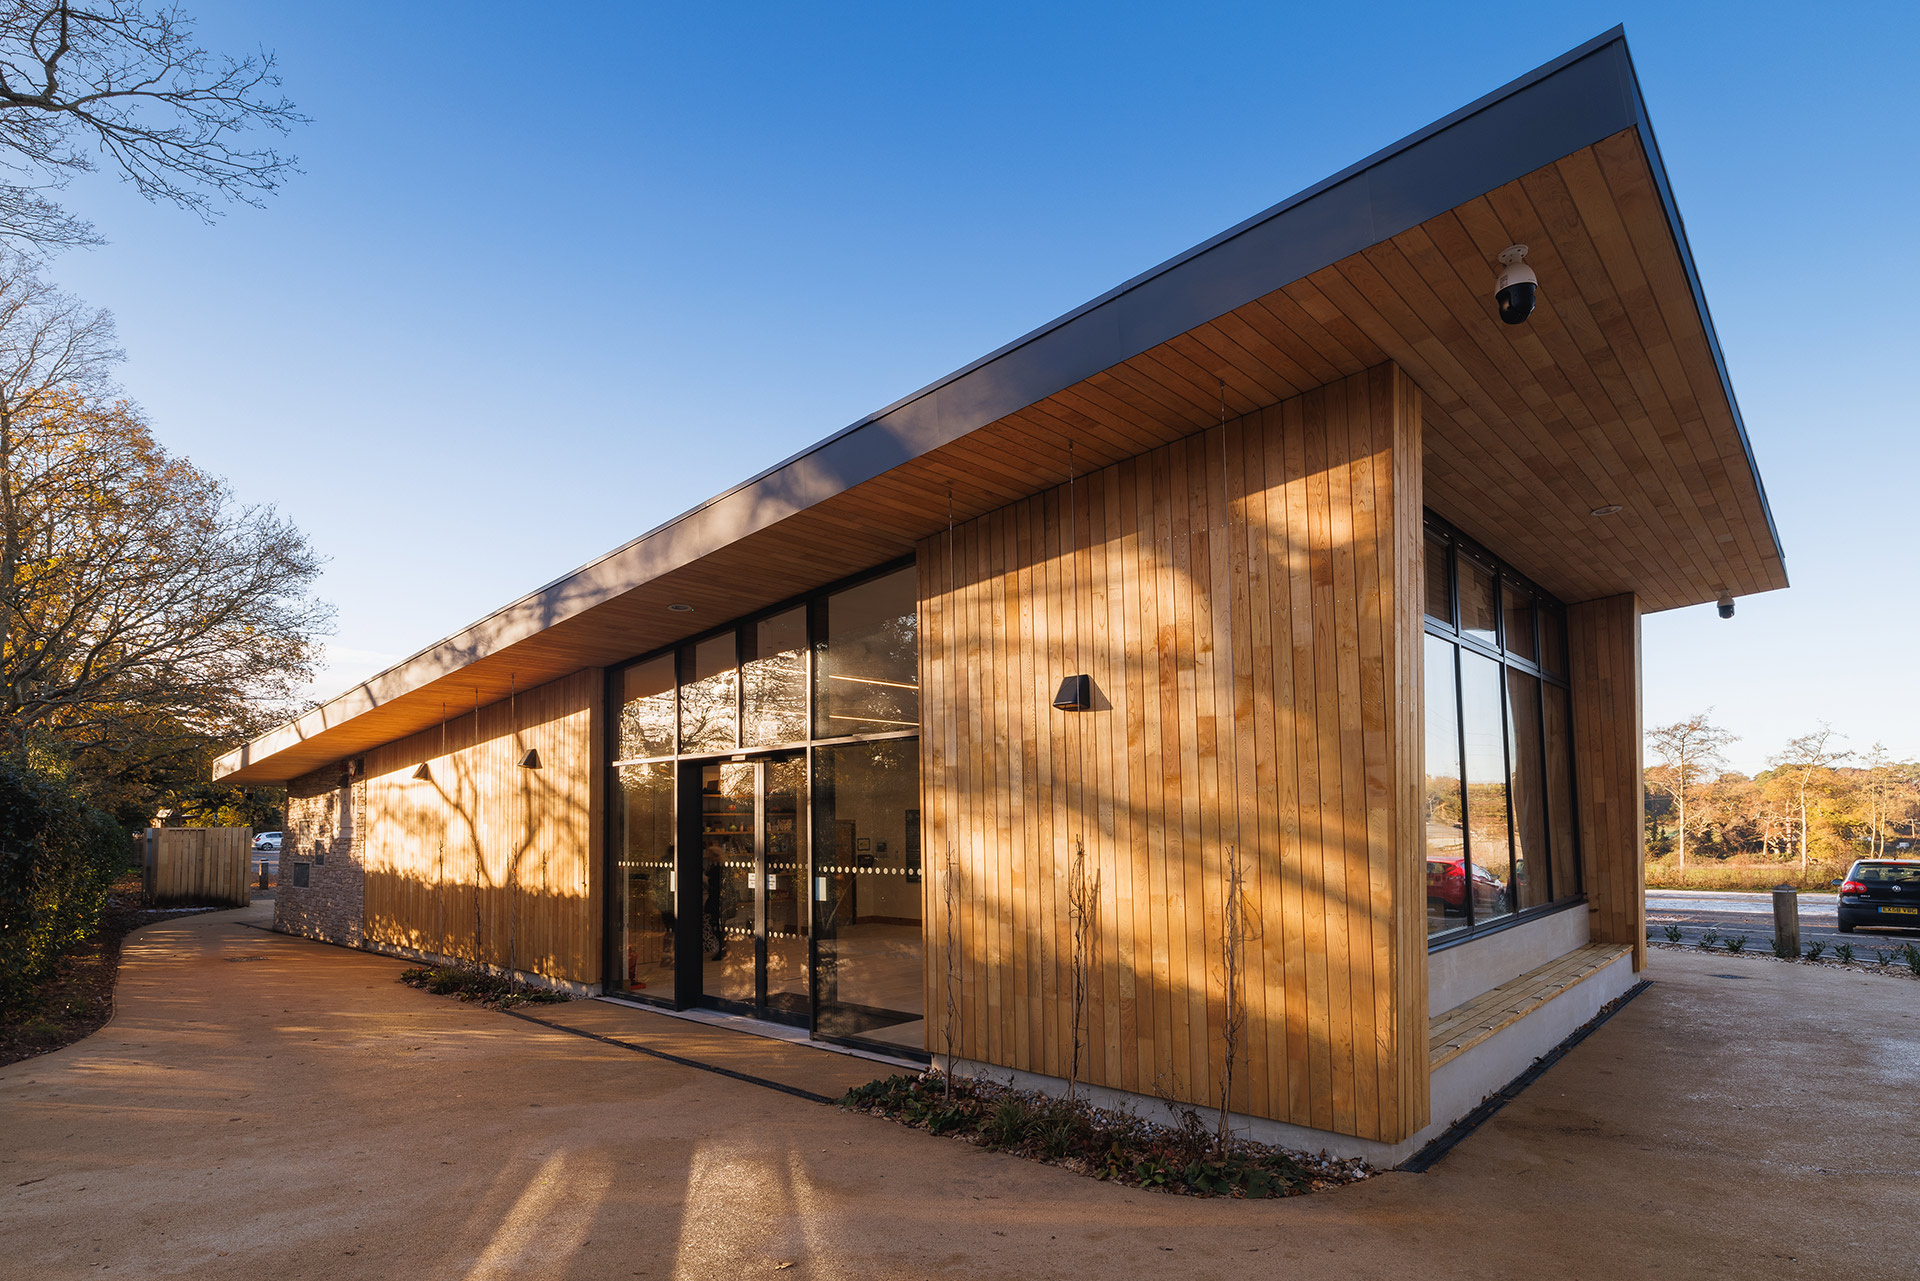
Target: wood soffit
<point>1613,393</point>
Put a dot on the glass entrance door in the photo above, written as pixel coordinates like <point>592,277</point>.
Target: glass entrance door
<point>753,864</point>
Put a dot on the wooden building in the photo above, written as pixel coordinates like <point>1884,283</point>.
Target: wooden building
<point>1289,562</point>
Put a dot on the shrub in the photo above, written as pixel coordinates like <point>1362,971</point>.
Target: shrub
<point>479,985</point>
<point>1737,944</point>
<point>1845,952</point>
<point>1103,1143</point>
<point>1672,932</point>
<point>1708,939</point>
<point>1816,949</point>
<point>1911,955</point>
<point>58,858</point>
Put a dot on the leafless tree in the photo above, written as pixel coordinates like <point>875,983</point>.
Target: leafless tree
<point>134,589</point>
<point>1802,762</point>
<point>130,82</point>
<point>1688,752</point>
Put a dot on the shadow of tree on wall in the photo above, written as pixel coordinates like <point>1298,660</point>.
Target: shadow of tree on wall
<point>1231,598</point>
<point>484,860</point>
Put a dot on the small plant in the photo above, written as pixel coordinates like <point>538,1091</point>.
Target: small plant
<point>1708,939</point>
<point>1845,952</point>
<point>1104,1143</point>
<point>1737,944</point>
<point>1007,1122</point>
<point>1784,951</point>
<point>1672,932</point>
<point>1886,958</point>
<point>478,985</point>
<point>1911,955</point>
<point>1816,949</point>
<point>1058,1130</point>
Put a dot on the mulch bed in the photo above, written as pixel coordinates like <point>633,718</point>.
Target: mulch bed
<point>77,999</point>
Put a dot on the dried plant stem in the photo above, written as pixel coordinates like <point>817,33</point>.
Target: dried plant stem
<point>950,901</point>
<point>1083,898</point>
<point>1233,945</point>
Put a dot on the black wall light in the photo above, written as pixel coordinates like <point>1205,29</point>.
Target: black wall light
<point>1075,694</point>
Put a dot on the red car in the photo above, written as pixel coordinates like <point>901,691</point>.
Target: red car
<point>1447,886</point>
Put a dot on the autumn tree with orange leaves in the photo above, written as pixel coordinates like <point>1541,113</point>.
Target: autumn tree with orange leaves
<point>139,600</point>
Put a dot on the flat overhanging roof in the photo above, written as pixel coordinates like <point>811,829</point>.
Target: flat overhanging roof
<point>1615,393</point>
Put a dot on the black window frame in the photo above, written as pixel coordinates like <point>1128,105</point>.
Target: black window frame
<point>686,817</point>
<point>1449,630</point>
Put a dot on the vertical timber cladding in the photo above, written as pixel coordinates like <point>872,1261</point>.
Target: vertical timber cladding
<point>485,860</point>
<point>1247,603</point>
<point>1603,641</point>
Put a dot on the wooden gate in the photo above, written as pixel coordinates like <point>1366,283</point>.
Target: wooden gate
<point>199,865</point>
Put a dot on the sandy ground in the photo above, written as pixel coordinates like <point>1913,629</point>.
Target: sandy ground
<point>267,1107</point>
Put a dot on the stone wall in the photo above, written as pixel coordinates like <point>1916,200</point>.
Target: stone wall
<point>325,842</point>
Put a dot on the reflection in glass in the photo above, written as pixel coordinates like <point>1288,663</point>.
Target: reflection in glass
<point>1485,737</point>
<point>1566,875</point>
<point>783,801</point>
<point>867,672</point>
<point>726,881</point>
<point>866,893</point>
<point>1553,639</point>
<point>1519,619</point>
<point>644,879</point>
<point>773,679</point>
<point>1447,902</point>
<point>709,711</point>
<point>646,709</point>
<point>1476,600</point>
<point>1439,583</point>
<point>1529,790</point>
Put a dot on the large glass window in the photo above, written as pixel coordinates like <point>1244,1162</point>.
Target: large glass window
<point>774,680</point>
<point>644,880</point>
<point>1490,842</point>
<point>781,755</point>
<point>709,710</point>
<point>1500,824</point>
<point>1447,880</point>
<point>868,975</point>
<point>867,658</point>
<point>646,710</point>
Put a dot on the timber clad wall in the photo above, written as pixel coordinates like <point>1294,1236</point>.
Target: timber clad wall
<point>1247,604</point>
<point>1603,642</point>
<point>485,860</point>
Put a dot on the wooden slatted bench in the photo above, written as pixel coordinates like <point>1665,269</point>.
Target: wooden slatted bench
<point>1454,1032</point>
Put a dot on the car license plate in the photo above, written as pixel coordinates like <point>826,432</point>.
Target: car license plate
<point>1902,911</point>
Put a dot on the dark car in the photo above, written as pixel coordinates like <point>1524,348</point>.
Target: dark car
<point>1447,886</point>
<point>1881,892</point>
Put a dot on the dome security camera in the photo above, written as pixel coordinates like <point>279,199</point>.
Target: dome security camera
<point>1726,605</point>
<point>1516,285</point>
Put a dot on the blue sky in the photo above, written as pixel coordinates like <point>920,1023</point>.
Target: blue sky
<point>545,283</point>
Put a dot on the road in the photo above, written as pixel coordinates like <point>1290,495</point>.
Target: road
<point>1697,911</point>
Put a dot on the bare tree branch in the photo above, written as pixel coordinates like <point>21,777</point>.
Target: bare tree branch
<point>118,79</point>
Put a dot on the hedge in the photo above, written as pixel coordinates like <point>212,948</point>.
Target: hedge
<point>58,857</point>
